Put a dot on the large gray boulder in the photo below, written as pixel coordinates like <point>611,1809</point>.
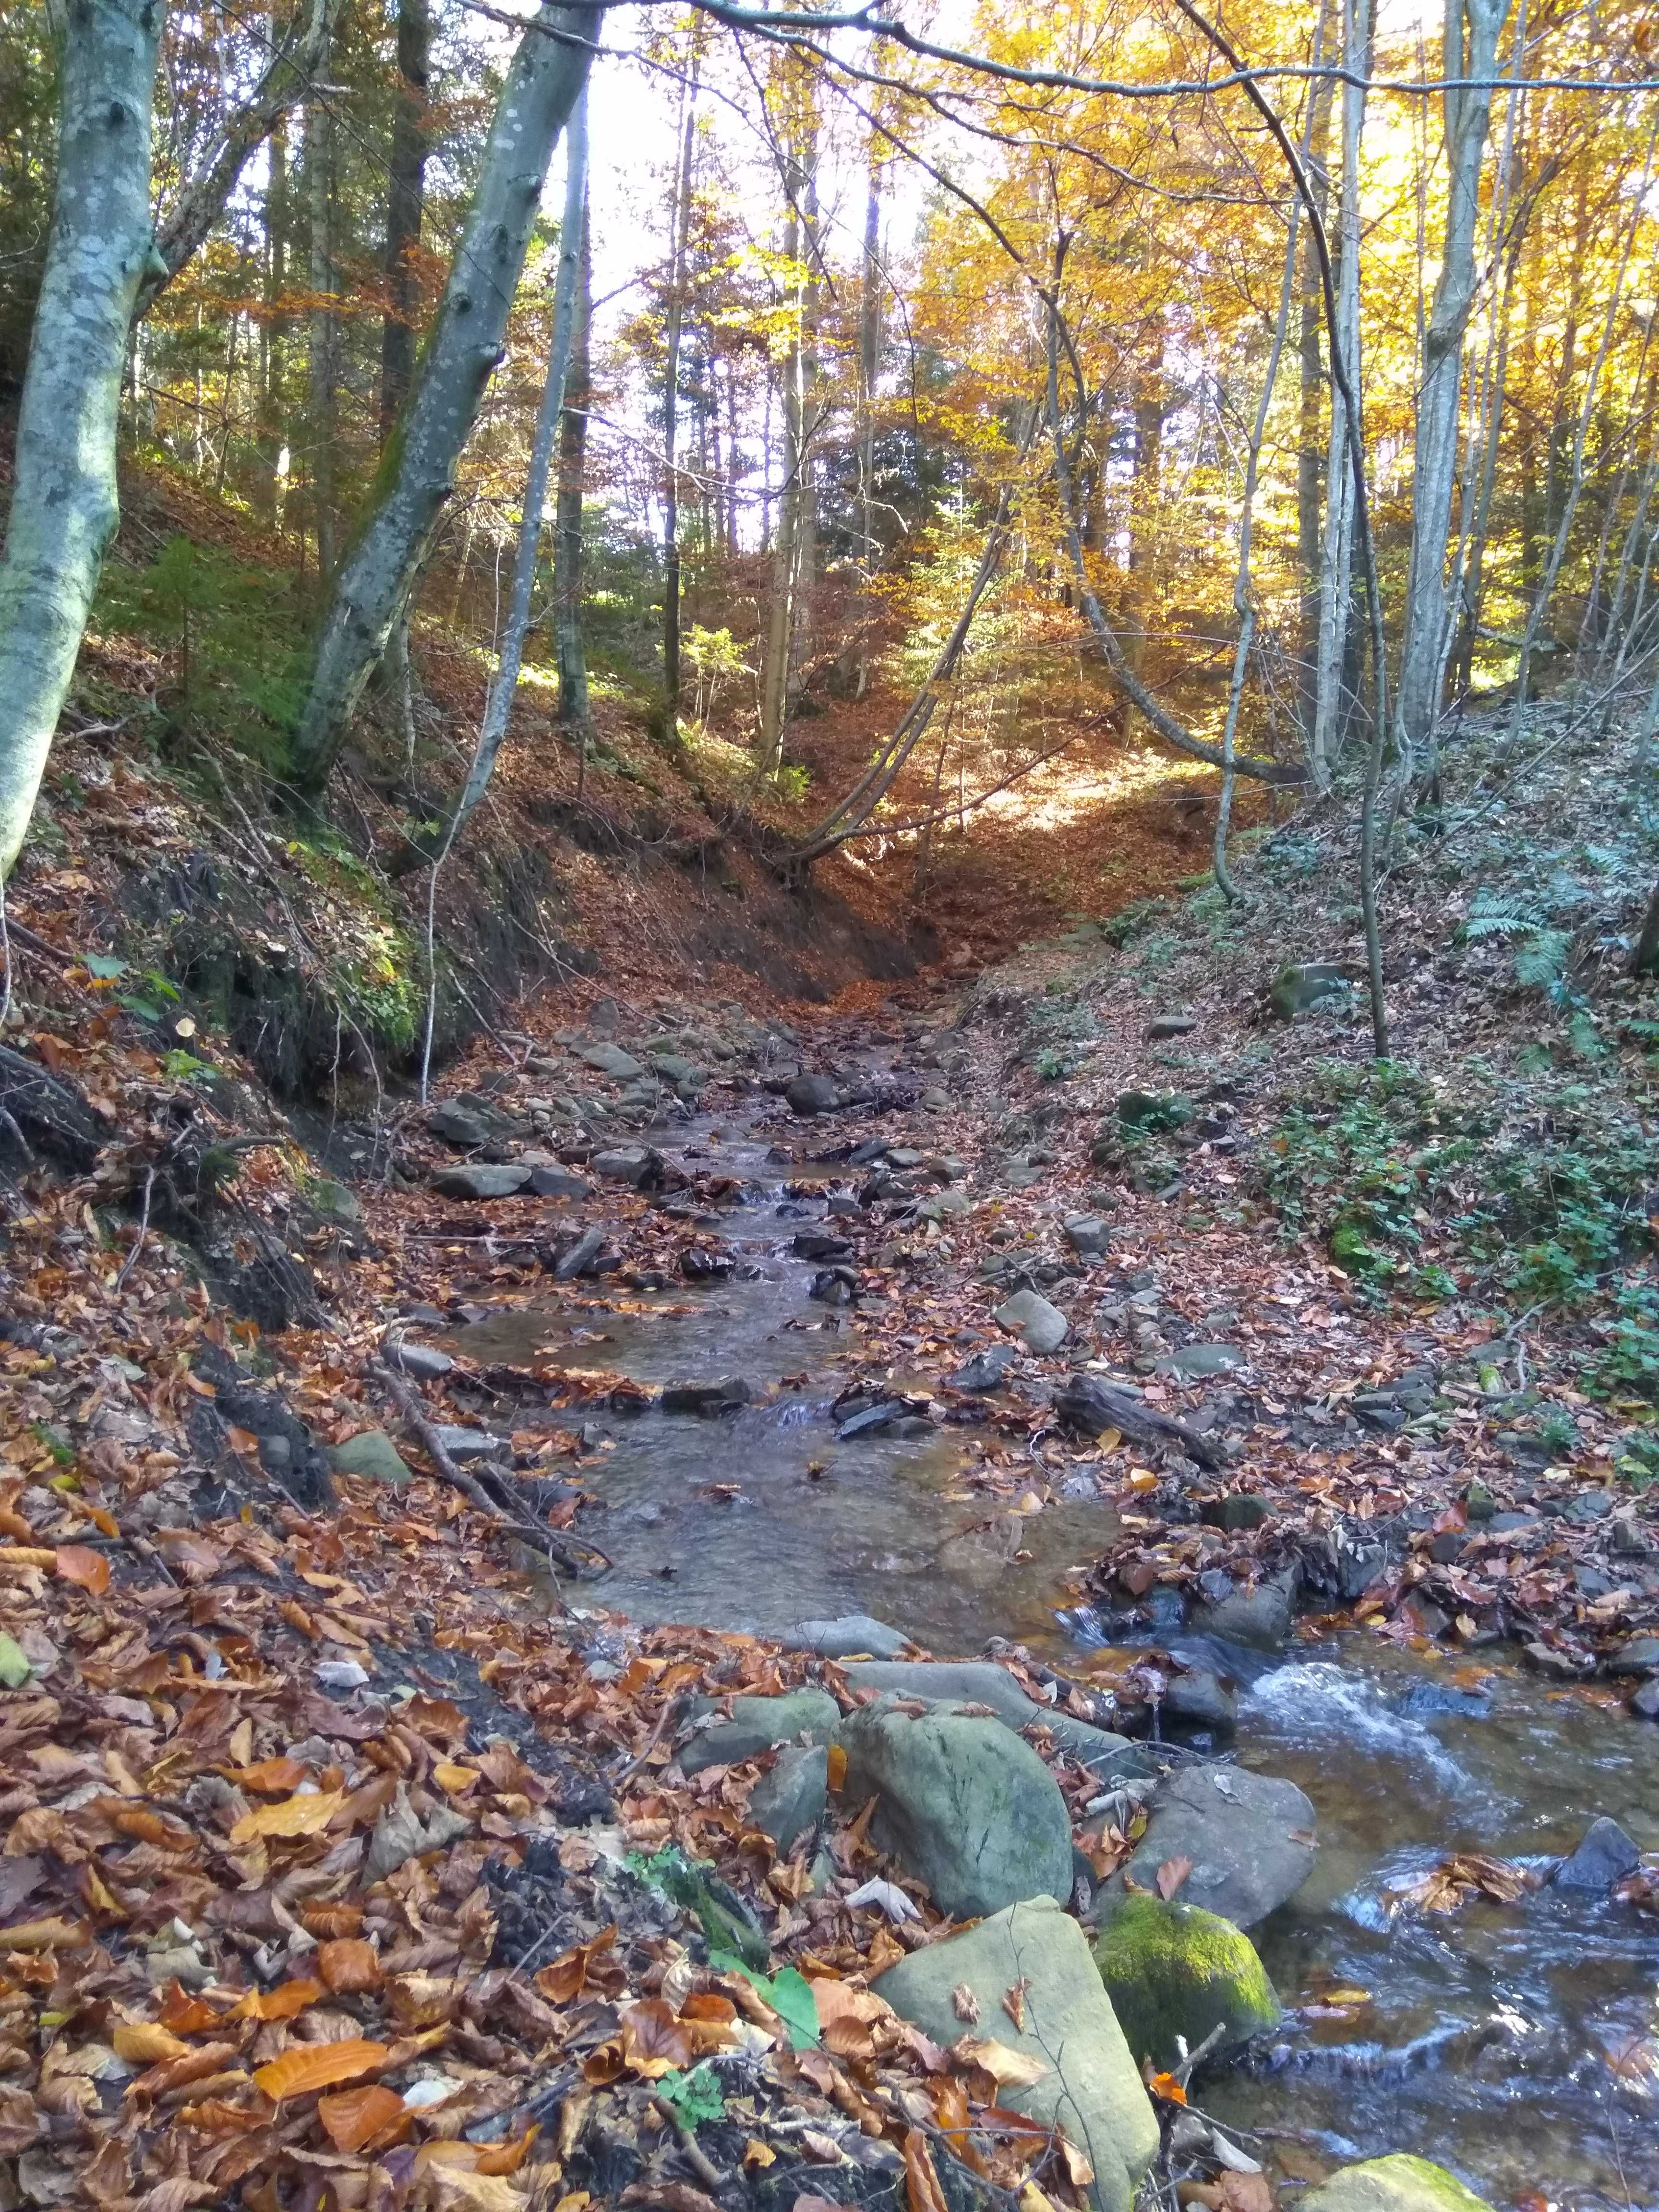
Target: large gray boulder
<point>813,1094</point>
<point>480,1181</point>
<point>610,1059</point>
<point>1089,2087</point>
<point>846,1638</point>
<point>965,1806</point>
<point>1397,2184</point>
<point>981,1682</point>
<point>1249,1837</point>
<point>1043,1327</point>
<point>789,1803</point>
<point>756,1724</point>
<point>1261,1617</point>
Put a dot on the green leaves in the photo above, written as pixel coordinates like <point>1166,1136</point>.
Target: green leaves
<point>789,1994</point>
<point>695,2096</point>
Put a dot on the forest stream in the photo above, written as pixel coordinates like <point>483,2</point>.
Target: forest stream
<point>1485,2036</point>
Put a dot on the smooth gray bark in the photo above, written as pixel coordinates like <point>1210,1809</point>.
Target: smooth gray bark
<point>499,706</point>
<point>64,506</point>
<point>1472,30</point>
<point>405,202</point>
<point>569,650</point>
<point>680,254</point>
<point>418,475</point>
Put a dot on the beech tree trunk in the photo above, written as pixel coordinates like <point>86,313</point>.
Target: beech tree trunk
<point>418,473</point>
<point>405,202</point>
<point>1470,52</point>
<point>64,506</point>
<point>680,218</point>
<point>567,647</point>
<point>321,328</point>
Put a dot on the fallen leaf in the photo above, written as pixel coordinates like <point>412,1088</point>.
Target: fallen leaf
<point>286,2002</point>
<point>653,2042</point>
<point>1172,1874</point>
<point>143,2043</point>
<point>1013,2002</point>
<point>302,1816</point>
<point>1008,2069</point>
<point>355,2116</point>
<point>349,1965</point>
<point>964,2003</point>
<point>922,2190</point>
<point>304,2066</point>
<point>80,1563</point>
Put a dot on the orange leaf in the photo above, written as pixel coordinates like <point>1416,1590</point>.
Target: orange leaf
<point>837,1766</point>
<point>269,1776</point>
<point>922,2183</point>
<point>653,2041</point>
<point>143,2043</point>
<point>78,1563</point>
<point>349,1965</point>
<point>1166,2086</point>
<point>287,2002</point>
<point>185,2014</point>
<point>290,1816</point>
<point>304,2066</point>
<point>1172,1874</point>
<point>567,1977</point>
<point>355,2115</point>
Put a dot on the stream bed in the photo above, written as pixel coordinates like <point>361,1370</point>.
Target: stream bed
<point>1514,2042</point>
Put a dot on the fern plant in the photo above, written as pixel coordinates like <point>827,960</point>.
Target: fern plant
<point>1541,950</point>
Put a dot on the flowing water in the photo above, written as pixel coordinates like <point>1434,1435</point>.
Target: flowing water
<point>1514,2042</point>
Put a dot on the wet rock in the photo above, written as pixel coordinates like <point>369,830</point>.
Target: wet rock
<point>1259,1617</point>
<point>852,1636</point>
<point>706,1398</point>
<point>1301,987</point>
<point>463,1445</point>
<point>1088,1234</point>
<point>424,1361</point>
<point>1637,1654</point>
<point>1423,1699</point>
<point>986,1370</point>
<point>756,1725</point>
<point>1175,1973</point>
<point>1396,2183</point>
<point>1199,1699</point>
<point>578,1260</point>
<point>812,1094</point>
<point>835,1286</point>
<point>1195,1361</point>
<point>1645,1703</point>
<point>558,1182</point>
<point>870,1420</point>
<point>1559,1666</point>
<point>1169,1025</point>
<point>610,1059</point>
<point>1090,2085</point>
<point>1043,1327</point>
<point>698,1264</point>
<point>480,1181</point>
<point>637,1165</point>
<point>1251,1839</point>
<point>981,1682</point>
<point>1605,1856</point>
<point>964,1805</point>
<point>371,1454</point>
<point>788,1803</point>
<point>820,1245</point>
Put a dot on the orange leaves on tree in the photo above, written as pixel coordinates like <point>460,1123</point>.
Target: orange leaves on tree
<point>304,2066</point>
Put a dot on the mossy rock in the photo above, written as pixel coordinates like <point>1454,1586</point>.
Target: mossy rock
<point>1397,2184</point>
<point>1176,1970</point>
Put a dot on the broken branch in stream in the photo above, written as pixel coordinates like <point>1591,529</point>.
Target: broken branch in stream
<point>1092,1405</point>
<point>574,1554</point>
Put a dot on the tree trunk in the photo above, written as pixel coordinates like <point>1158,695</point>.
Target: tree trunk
<point>1310,451</point>
<point>321,330</point>
<point>680,220</point>
<point>64,507</point>
<point>498,708</point>
<point>204,199</point>
<point>786,542</point>
<point>273,344</point>
<point>568,646</point>
<point>1470,52</point>
<point>1336,552</point>
<point>869,364</point>
<point>405,201</point>
<point>418,476</point>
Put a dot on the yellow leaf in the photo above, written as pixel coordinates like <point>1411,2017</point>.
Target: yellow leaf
<point>286,2002</point>
<point>304,1815</point>
<point>454,1779</point>
<point>304,2066</point>
<point>755,2153</point>
<point>1008,2069</point>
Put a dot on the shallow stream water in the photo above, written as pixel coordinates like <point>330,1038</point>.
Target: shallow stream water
<point>1506,2041</point>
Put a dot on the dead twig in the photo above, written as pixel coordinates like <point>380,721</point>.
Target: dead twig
<point>131,1260</point>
